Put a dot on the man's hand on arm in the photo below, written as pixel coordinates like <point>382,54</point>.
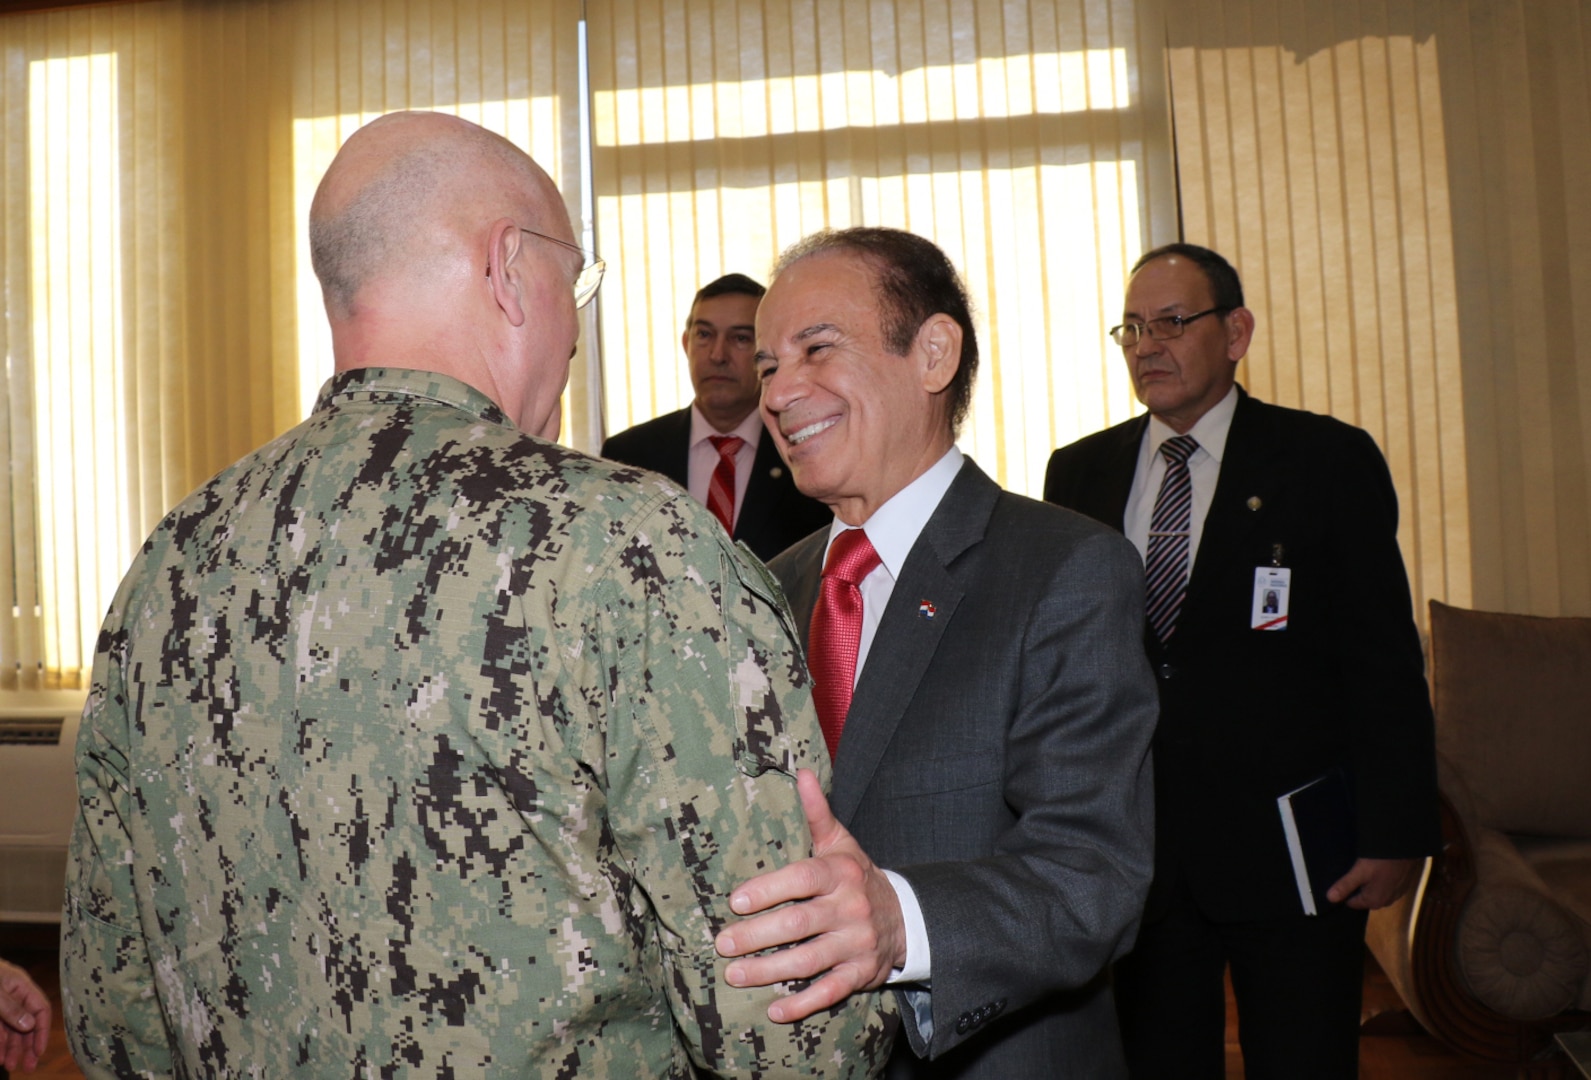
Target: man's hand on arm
<point>1374,883</point>
<point>846,927</point>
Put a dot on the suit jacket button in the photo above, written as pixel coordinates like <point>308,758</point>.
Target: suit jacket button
<point>1166,671</point>
<point>963,1022</point>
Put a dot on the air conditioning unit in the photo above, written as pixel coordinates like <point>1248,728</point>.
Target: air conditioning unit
<point>38,798</point>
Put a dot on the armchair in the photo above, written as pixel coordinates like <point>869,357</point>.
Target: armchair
<point>1492,954</point>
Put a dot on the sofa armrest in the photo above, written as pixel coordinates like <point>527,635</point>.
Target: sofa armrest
<point>1518,949</point>
<point>1414,940</point>
<point>1412,937</point>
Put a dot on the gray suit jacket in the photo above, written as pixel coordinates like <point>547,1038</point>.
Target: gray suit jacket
<point>997,755</point>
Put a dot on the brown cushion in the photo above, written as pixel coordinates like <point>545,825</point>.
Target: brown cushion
<point>1513,715</point>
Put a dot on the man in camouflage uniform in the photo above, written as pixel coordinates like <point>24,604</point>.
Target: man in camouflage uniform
<point>419,746</point>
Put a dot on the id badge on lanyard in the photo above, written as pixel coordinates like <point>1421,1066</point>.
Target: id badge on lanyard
<point>1272,586</point>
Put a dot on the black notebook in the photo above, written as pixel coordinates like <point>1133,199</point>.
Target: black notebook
<point>1318,821</point>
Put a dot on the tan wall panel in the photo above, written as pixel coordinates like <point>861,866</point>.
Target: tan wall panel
<point>1311,151</point>
<point>1416,171</point>
<point>1515,73</point>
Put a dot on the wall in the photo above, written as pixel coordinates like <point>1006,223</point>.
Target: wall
<point>1396,181</point>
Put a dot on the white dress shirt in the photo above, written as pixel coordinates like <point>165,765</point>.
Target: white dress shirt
<point>1204,469</point>
<point>893,531</point>
<point>703,457</point>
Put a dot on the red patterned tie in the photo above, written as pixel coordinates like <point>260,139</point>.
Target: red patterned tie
<point>721,489</point>
<point>836,630</point>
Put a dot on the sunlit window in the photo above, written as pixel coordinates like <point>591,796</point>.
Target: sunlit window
<point>1054,83</point>
<point>1013,164</point>
<point>80,434</point>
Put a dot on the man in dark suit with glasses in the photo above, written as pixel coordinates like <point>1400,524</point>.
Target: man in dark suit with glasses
<point>1279,628</point>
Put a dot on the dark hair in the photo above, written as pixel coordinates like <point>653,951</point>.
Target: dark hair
<point>729,284</point>
<point>913,280</point>
<point>1226,291</point>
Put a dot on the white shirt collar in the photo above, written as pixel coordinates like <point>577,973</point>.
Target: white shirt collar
<point>1209,431</point>
<point>895,526</point>
<point>749,429</point>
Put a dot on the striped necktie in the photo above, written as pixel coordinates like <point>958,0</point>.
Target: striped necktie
<point>1166,564</point>
<point>721,488</point>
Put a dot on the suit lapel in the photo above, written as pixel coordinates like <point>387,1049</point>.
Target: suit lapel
<point>1118,470</point>
<point>1247,465</point>
<point>800,570</point>
<point>759,510</point>
<point>907,638</point>
<point>674,453</point>
<point>761,484</point>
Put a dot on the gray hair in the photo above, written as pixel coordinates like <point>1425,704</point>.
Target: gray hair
<point>360,241</point>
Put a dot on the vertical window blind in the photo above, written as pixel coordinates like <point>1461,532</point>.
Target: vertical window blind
<point>1395,181</point>
<point>160,315</point>
<point>1028,140</point>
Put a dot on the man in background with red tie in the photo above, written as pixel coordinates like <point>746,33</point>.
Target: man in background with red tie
<point>978,669</point>
<point>714,447</point>
<point>1281,634</point>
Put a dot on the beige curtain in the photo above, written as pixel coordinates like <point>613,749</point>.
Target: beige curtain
<point>1028,140</point>
<point>1397,181</point>
<point>96,308</point>
<point>160,317</point>
<point>1312,151</point>
<point>1402,186</point>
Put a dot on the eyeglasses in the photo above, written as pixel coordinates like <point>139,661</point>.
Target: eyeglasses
<point>1162,329</point>
<point>591,268</point>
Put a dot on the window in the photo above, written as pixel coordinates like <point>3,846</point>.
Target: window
<point>1018,142</point>
<point>162,320</point>
<point>68,482</point>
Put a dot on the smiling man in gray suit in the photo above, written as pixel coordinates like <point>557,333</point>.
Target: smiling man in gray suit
<point>995,754</point>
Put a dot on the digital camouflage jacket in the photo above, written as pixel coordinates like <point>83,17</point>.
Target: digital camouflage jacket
<point>419,747</point>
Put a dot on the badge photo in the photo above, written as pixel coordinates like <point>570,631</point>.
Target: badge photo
<point>1272,585</point>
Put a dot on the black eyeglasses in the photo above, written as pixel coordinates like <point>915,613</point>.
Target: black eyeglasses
<point>1162,329</point>
<point>591,268</point>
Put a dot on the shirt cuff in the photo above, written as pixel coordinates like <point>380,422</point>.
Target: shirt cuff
<point>917,968</point>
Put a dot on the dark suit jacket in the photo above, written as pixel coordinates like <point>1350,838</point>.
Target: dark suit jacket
<point>774,514</point>
<point>996,755</point>
<point>1247,715</point>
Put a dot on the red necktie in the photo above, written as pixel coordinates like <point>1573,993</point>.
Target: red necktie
<point>721,489</point>
<point>835,633</point>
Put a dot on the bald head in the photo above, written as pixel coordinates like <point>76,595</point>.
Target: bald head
<point>418,234</point>
<point>401,179</point>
